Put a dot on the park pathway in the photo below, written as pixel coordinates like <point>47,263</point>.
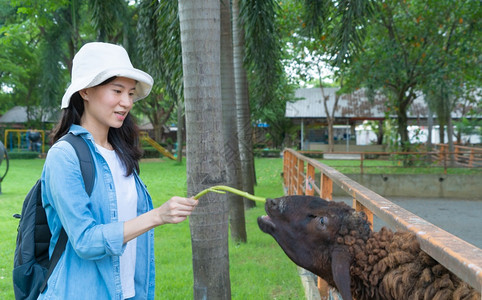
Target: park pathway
<point>462,218</point>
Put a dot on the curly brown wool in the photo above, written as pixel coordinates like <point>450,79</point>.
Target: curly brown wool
<point>391,265</point>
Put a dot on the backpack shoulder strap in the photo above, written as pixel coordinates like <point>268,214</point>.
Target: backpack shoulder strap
<point>88,174</point>
<point>85,158</point>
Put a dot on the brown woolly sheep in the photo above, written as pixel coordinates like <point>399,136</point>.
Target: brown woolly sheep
<point>335,242</point>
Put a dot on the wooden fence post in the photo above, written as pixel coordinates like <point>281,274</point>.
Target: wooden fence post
<point>326,187</point>
<point>291,176</point>
<point>310,180</point>
<point>286,167</point>
<point>299,182</point>
<point>360,207</point>
<point>471,158</point>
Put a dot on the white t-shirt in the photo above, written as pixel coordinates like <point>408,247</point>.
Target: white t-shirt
<point>126,194</point>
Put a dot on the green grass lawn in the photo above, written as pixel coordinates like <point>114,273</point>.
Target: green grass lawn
<point>259,269</point>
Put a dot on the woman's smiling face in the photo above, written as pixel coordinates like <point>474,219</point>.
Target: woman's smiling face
<point>108,105</point>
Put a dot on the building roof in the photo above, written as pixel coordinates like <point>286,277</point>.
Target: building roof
<point>19,114</point>
<point>352,106</point>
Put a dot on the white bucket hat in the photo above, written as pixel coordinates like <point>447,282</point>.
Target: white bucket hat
<point>97,62</point>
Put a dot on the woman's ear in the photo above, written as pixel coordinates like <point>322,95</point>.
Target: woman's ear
<point>84,94</point>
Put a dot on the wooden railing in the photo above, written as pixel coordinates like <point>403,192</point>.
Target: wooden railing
<point>305,176</point>
<point>434,160</point>
<point>462,155</point>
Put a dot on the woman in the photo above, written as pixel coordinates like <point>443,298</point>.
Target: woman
<point>110,253</point>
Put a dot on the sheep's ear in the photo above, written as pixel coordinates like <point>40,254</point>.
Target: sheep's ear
<point>340,266</point>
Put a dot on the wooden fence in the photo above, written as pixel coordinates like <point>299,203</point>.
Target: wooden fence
<point>440,158</point>
<point>462,155</point>
<point>305,176</point>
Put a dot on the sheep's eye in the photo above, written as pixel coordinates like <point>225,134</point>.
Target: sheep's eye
<point>321,219</point>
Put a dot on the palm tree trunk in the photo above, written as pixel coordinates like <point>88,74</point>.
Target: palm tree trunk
<point>180,129</point>
<point>231,147</point>
<point>245,135</point>
<point>200,39</point>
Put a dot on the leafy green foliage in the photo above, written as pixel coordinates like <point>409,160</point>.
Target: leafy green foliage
<point>340,23</point>
<point>159,53</point>
<point>262,49</point>
<point>32,68</point>
<point>41,39</point>
<point>23,155</point>
<point>469,127</point>
<point>19,65</point>
<point>410,45</point>
<point>108,16</point>
<point>279,127</point>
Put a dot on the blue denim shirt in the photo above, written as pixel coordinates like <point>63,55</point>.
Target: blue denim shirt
<point>89,266</point>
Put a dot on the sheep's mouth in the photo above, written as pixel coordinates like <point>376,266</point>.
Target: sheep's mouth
<point>266,224</point>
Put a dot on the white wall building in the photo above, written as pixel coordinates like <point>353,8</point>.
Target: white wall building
<point>352,112</point>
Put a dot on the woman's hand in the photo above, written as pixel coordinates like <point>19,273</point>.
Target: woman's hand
<point>175,210</point>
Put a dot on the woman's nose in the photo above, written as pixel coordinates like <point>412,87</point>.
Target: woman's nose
<point>126,100</point>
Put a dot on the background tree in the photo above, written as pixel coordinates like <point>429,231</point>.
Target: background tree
<point>280,129</point>
<point>257,52</point>
<point>110,18</point>
<point>451,87</point>
<point>168,12</point>
<point>263,49</point>
<point>18,64</point>
<point>230,131</point>
<point>243,112</point>
<point>405,45</point>
<point>469,109</point>
<point>57,30</point>
<point>200,39</point>
<point>320,37</point>
<point>52,38</point>
<point>159,50</point>
<point>28,37</point>
<point>341,23</point>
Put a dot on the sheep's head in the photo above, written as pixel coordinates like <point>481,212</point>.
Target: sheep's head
<point>309,230</point>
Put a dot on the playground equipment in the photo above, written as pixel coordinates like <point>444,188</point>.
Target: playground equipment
<point>3,154</point>
<point>162,150</point>
<point>32,139</point>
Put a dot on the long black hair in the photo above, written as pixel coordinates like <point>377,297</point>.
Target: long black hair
<point>124,140</point>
